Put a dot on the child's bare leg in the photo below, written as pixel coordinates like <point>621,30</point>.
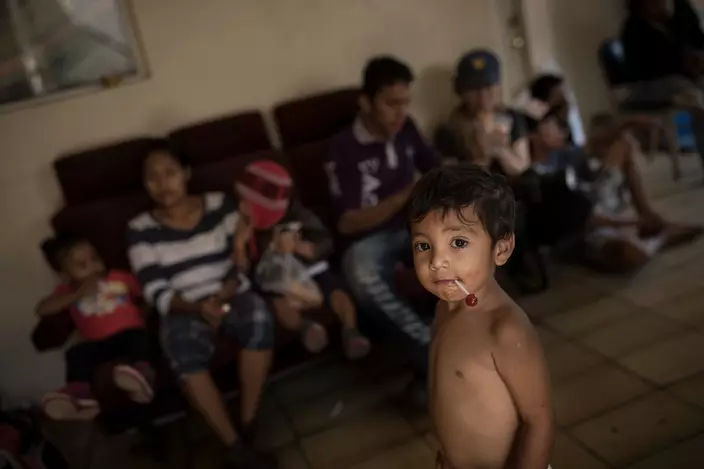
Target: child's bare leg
<point>341,304</point>
<point>313,335</point>
<point>675,234</point>
<point>206,399</point>
<point>355,344</point>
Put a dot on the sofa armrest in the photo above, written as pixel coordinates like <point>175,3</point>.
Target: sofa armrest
<point>52,332</point>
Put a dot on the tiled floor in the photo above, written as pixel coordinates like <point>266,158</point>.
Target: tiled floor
<point>626,358</point>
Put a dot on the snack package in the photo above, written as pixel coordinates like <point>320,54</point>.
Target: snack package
<point>280,272</point>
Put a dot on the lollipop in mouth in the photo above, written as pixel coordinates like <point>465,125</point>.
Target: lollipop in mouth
<point>471,299</point>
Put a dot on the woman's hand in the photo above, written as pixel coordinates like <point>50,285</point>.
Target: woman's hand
<point>212,310</point>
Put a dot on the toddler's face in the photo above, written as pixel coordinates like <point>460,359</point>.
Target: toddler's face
<point>447,248</point>
<point>83,262</point>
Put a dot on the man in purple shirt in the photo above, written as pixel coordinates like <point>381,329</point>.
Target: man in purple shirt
<point>371,168</point>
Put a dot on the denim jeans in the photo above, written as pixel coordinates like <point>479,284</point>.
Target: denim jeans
<point>369,266</point>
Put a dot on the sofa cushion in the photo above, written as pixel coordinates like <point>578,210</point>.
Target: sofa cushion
<point>102,172</point>
<point>104,223</point>
<point>221,138</point>
<point>315,117</point>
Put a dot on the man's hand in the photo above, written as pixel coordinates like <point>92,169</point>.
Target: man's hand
<point>305,249</point>
<point>212,311</point>
<point>651,224</point>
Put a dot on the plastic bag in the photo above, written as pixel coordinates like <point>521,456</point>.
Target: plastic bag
<point>285,275</point>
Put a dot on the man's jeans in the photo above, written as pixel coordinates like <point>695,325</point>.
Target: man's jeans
<point>661,92</point>
<point>369,266</point>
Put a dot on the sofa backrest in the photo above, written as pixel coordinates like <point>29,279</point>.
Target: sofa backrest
<point>221,138</point>
<point>102,172</point>
<point>315,118</point>
<point>104,221</point>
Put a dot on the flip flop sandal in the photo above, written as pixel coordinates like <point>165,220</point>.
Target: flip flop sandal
<point>355,345</point>
<point>133,383</point>
<point>313,335</point>
<point>61,406</point>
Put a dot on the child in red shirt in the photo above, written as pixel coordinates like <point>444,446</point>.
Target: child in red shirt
<point>102,304</point>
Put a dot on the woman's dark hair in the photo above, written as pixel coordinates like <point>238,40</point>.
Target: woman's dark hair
<point>453,188</point>
<point>56,249</point>
<point>384,71</point>
<point>543,85</point>
<point>166,146</point>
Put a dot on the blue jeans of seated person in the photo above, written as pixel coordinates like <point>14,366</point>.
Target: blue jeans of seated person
<point>369,266</point>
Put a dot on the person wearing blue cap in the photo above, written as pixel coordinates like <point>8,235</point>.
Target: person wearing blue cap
<point>481,130</point>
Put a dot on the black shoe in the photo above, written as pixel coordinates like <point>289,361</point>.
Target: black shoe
<point>242,457</point>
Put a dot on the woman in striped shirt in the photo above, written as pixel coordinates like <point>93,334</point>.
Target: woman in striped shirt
<point>181,253</point>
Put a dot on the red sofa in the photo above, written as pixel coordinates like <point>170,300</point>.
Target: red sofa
<point>101,212</point>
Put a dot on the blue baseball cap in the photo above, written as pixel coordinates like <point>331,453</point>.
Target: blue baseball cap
<point>477,69</point>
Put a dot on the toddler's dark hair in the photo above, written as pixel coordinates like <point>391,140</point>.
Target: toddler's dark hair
<point>57,248</point>
<point>452,188</point>
<point>384,71</point>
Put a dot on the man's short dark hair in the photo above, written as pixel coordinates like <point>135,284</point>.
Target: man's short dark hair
<point>453,188</point>
<point>56,249</point>
<point>384,71</point>
<point>543,85</point>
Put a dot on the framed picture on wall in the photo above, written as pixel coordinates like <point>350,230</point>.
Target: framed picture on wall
<point>53,49</point>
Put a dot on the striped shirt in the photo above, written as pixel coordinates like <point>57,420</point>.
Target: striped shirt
<point>193,263</point>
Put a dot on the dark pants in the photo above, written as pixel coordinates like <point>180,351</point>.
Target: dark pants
<point>370,269</point>
<point>82,360</point>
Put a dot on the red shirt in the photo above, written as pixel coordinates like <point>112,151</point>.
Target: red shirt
<point>111,310</point>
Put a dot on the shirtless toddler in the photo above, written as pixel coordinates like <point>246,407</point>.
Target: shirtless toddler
<point>489,385</point>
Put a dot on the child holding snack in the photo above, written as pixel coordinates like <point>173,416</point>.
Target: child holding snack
<point>489,387</point>
<point>289,246</point>
<point>103,306</point>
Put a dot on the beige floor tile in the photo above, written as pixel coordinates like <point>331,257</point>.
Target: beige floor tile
<point>566,454</point>
<point>687,307</point>
<point>432,441</point>
<point>548,339</point>
<point>690,389</point>
<point>683,254</point>
<point>356,440</point>
<point>273,429</point>
<point>594,391</point>
<point>675,358</point>
<point>649,291</point>
<point>566,360</point>
<point>291,457</point>
<point>419,419</point>
<point>315,381</point>
<point>341,403</point>
<point>584,319</point>
<point>558,299</point>
<point>684,455</point>
<point>632,432</point>
<point>415,454</point>
<point>631,333</point>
